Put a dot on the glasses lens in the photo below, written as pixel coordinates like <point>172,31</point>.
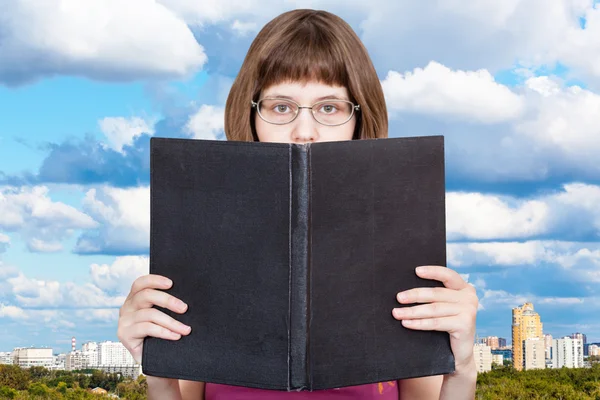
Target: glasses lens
<point>332,112</point>
<point>277,111</point>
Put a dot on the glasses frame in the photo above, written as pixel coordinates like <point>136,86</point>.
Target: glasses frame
<point>355,107</point>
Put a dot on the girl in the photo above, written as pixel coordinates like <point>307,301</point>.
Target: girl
<point>308,78</point>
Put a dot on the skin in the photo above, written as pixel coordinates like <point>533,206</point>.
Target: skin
<point>451,308</point>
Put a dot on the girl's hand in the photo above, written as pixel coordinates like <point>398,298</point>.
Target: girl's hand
<point>137,318</point>
<point>452,309</point>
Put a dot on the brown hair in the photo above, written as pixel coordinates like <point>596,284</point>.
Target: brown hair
<point>307,45</point>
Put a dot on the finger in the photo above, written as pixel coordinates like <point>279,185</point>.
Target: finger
<point>443,324</point>
<point>148,298</point>
<point>432,310</point>
<point>149,281</point>
<point>429,295</point>
<point>160,318</point>
<point>450,278</point>
<point>143,329</point>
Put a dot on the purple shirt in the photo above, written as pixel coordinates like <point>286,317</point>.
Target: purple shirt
<point>381,391</point>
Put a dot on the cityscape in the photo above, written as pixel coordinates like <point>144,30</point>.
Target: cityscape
<point>107,356</point>
<point>531,348</point>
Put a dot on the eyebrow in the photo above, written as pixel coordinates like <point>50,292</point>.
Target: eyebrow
<point>329,97</point>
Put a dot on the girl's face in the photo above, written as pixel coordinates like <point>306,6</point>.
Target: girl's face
<point>304,129</point>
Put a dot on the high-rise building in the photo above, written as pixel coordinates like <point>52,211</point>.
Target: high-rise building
<point>90,350</point>
<point>583,338</point>
<point>526,324</point>
<point>534,354</point>
<point>483,357</point>
<point>495,342</point>
<point>548,346</point>
<point>567,352</point>
<point>498,359</point>
<point>6,357</point>
<point>60,361</point>
<point>114,354</point>
<point>26,357</point>
<point>594,350</point>
<point>75,360</point>
<point>505,353</point>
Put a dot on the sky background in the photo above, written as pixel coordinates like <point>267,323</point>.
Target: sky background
<point>513,85</point>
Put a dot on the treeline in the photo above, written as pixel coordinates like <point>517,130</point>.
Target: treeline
<point>40,383</point>
<point>498,384</point>
<point>551,384</point>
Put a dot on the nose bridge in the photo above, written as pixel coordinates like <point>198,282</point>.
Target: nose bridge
<point>305,126</point>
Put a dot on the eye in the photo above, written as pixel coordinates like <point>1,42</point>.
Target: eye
<point>328,108</point>
<point>282,108</point>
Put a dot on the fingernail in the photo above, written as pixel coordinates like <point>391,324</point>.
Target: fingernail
<point>420,269</point>
<point>397,312</point>
<point>187,329</point>
<point>401,297</point>
<point>182,306</point>
<point>167,282</point>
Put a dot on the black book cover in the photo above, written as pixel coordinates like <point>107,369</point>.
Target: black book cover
<point>290,256</point>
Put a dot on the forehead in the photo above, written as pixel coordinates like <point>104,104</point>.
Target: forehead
<point>306,91</point>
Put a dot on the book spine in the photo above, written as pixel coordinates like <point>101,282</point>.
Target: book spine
<point>299,267</point>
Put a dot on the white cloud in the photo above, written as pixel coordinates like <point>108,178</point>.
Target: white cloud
<point>562,301</point>
<point>8,311</point>
<point>563,119</point>
<point>122,131</point>
<point>65,304</point>
<point>213,11</point>
<point>438,90</point>
<point>479,216</point>
<point>581,47</point>
<point>496,253</point>
<point>70,37</point>
<point>580,259</point>
<point>4,242</point>
<point>500,298</point>
<point>40,246</point>
<point>34,292</point>
<point>58,318</point>
<point>485,34</point>
<point>7,271</point>
<point>31,292</point>
<point>544,128</point>
<point>124,216</point>
<point>244,28</point>
<point>89,295</point>
<point>119,276</point>
<point>207,123</point>
<point>110,315</point>
<point>489,35</point>
<point>571,211</point>
<point>42,222</point>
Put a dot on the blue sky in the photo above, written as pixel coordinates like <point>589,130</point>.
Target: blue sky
<point>513,86</point>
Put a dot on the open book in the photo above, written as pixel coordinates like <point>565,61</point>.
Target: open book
<point>290,258</point>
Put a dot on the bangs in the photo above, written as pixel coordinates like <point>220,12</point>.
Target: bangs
<point>306,53</point>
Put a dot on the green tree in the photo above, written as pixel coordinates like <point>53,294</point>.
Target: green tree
<point>14,377</point>
<point>7,393</point>
<point>39,389</point>
<point>38,373</point>
<point>61,387</point>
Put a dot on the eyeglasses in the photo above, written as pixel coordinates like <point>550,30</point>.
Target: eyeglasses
<point>283,111</point>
